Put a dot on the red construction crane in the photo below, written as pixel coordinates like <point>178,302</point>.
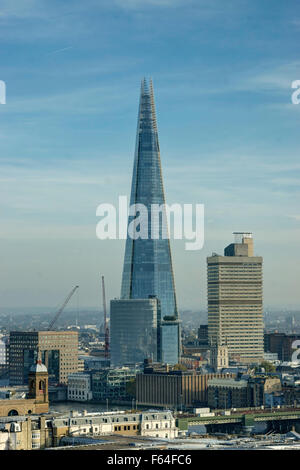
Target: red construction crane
<point>106,329</point>
<point>62,307</point>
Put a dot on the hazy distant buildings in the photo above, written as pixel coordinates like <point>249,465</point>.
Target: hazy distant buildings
<point>235,300</point>
<point>59,352</point>
<point>4,358</point>
<point>3,355</point>
<point>138,329</point>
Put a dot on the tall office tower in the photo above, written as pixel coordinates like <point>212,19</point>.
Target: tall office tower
<point>147,264</point>
<point>58,349</point>
<point>235,300</point>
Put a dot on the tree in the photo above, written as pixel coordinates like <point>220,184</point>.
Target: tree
<point>131,388</point>
<point>268,366</point>
<point>180,367</point>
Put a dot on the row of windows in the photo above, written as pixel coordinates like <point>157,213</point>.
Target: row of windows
<point>77,392</point>
<point>127,428</point>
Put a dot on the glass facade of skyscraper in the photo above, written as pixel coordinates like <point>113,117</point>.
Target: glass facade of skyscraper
<point>133,326</point>
<point>147,264</point>
<point>169,342</point>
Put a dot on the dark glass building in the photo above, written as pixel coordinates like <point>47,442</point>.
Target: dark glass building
<point>148,268</point>
<point>169,342</point>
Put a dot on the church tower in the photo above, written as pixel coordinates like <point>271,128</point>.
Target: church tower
<point>38,382</point>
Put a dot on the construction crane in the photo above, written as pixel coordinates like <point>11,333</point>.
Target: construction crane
<point>106,329</point>
<point>62,307</point>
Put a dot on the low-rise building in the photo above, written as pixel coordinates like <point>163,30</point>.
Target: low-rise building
<point>246,392</point>
<point>40,432</point>
<point>160,424</point>
<point>274,399</point>
<point>79,387</point>
<point>227,393</point>
<point>176,388</point>
<point>291,396</point>
<point>259,386</point>
<point>113,384</point>
<point>25,433</point>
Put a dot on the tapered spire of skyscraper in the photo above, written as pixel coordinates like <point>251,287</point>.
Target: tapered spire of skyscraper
<point>148,264</point>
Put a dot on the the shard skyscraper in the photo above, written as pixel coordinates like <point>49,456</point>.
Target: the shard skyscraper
<point>148,264</point>
<point>144,322</point>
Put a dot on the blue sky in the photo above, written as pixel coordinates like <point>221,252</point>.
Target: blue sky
<point>229,137</point>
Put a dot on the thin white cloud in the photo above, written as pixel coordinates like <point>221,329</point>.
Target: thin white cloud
<point>272,77</point>
<point>60,50</point>
<point>20,9</point>
<point>295,217</point>
<point>87,100</point>
<point>141,4</point>
<point>20,231</point>
<point>287,181</point>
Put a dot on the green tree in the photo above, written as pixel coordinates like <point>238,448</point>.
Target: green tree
<point>131,388</point>
<point>268,366</point>
<point>179,367</point>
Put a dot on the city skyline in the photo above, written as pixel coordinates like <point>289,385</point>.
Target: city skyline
<point>228,135</point>
<point>149,227</point>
